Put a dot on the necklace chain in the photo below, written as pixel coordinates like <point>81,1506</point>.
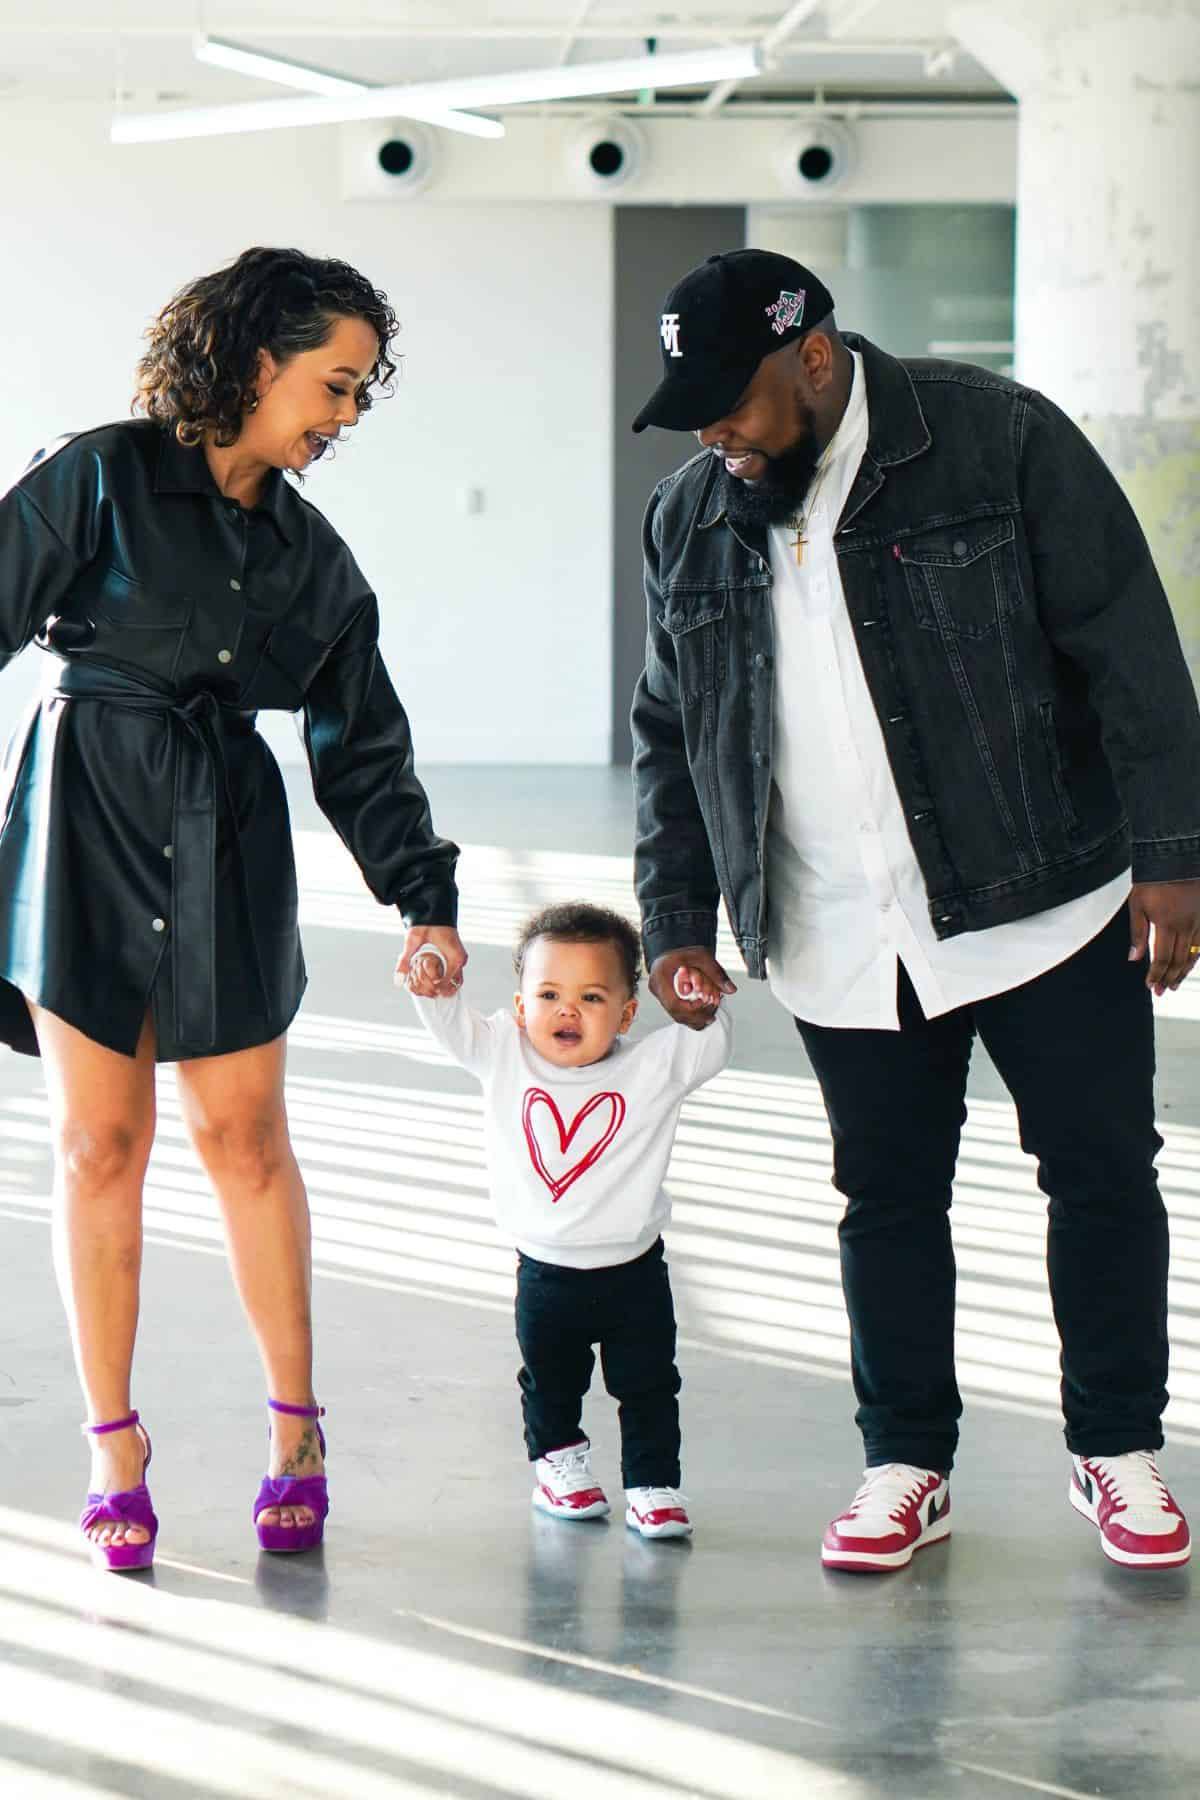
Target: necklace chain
<point>799,522</point>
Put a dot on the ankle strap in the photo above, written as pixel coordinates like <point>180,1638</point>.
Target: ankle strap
<point>298,1412</point>
<point>110,1425</point>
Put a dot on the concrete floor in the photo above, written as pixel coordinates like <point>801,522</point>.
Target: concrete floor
<point>450,1642</point>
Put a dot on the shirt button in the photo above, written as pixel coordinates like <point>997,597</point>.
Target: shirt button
<point>168,851</point>
<point>224,656</point>
<point>159,924</point>
<point>236,586</point>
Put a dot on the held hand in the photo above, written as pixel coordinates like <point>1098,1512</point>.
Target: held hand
<point>690,984</point>
<point>1172,908</point>
<point>438,973</point>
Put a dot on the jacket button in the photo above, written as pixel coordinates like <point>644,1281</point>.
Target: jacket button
<point>224,656</point>
<point>959,546</point>
<point>760,661</point>
<point>236,586</point>
<point>759,759</point>
<point>159,924</point>
<point>168,851</point>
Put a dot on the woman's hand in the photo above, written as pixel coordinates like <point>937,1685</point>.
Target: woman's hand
<point>438,974</point>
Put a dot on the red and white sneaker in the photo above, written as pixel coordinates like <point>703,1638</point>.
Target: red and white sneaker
<point>898,1509</point>
<point>566,1486</point>
<point>657,1512</point>
<point>1131,1506</point>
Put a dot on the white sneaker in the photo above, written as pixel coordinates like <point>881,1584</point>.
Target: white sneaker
<point>566,1486</point>
<point>657,1512</point>
<point>897,1510</point>
<point>1127,1500</point>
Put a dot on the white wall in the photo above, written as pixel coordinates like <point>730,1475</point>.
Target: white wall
<point>496,627</point>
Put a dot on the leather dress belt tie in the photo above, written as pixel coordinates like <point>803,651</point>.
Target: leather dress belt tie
<point>200,723</point>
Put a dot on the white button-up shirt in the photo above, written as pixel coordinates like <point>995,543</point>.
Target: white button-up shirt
<point>846,897</point>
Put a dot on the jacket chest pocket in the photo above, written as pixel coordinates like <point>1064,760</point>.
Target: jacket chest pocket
<point>137,606</point>
<point>288,664</point>
<point>962,579</point>
<point>696,624</point>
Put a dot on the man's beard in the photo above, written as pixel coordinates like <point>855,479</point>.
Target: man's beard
<point>778,495</point>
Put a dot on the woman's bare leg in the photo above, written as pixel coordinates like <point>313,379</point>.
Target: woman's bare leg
<point>233,1107</point>
<point>102,1117</point>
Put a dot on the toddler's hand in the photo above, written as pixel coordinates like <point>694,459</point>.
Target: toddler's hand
<point>691,984</point>
<point>425,973</point>
<point>432,963</point>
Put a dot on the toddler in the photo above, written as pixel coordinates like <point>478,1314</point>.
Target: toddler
<point>579,1128</point>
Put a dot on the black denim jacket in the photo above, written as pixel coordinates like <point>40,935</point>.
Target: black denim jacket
<point>1039,718</point>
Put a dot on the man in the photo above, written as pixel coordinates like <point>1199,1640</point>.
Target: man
<point>915,707</point>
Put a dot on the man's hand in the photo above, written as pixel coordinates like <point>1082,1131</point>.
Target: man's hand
<point>689,984</point>
<point>433,976</point>
<point>1173,909</point>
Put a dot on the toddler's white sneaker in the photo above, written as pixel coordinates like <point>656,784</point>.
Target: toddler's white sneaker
<point>566,1487</point>
<point>657,1512</point>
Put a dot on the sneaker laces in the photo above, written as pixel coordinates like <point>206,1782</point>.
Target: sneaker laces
<point>1132,1480</point>
<point>657,1499</point>
<point>571,1463</point>
<point>886,1490</point>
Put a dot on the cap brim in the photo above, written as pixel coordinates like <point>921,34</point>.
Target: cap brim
<point>682,404</point>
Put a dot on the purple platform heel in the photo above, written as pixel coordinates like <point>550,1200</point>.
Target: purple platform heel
<point>294,1490</point>
<point>130,1507</point>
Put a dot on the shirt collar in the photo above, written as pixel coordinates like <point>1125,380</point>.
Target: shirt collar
<point>183,469</point>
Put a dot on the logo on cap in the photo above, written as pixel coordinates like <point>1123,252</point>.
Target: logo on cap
<point>787,311</point>
<point>669,333</point>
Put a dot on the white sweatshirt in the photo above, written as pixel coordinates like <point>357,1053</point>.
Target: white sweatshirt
<point>576,1157</point>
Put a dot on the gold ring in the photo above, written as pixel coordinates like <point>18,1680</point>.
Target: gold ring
<point>1194,949</point>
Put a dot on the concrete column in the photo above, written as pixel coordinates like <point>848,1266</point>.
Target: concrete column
<point>1108,242</point>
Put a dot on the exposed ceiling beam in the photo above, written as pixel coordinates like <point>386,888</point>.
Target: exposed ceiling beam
<point>573,33</point>
<point>853,14</point>
<point>791,21</point>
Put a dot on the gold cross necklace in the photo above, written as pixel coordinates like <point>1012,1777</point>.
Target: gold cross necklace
<point>799,524</point>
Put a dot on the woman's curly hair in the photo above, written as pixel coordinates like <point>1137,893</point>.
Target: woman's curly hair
<point>198,374</point>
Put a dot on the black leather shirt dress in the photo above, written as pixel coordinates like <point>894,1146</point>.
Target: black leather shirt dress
<point>145,848</point>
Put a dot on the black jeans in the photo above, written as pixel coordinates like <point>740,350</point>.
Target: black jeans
<point>1076,1049</point>
<point>627,1309</point>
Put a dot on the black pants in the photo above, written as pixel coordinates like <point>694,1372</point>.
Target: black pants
<point>627,1309</point>
<point>1076,1049</point>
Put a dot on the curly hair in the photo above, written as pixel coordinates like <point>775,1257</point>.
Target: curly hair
<point>578,922</point>
<point>199,372</point>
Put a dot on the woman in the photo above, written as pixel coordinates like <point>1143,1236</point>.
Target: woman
<point>147,888</point>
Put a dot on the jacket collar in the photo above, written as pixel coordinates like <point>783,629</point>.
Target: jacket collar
<point>182,469</point>
<point>896,430</point>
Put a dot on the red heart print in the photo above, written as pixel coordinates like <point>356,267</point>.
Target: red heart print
<point>539,1097</point>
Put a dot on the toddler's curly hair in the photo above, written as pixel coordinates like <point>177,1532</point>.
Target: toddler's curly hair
<point>579,922</point>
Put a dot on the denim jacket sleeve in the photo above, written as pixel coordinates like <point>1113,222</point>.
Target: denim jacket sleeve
<point>360,751</point>
<point>673,866</point>
<point>1103,608</point>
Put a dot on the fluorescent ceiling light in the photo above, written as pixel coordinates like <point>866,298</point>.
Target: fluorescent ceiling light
<point>431,101</point>
<point>289,73</point>
<point>224,55</point>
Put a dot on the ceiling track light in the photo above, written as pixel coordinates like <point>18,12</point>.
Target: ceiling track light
<point>220,53</point>
<point>441,103</point>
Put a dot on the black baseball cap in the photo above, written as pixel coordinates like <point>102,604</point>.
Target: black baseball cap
<point>717,325</point>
